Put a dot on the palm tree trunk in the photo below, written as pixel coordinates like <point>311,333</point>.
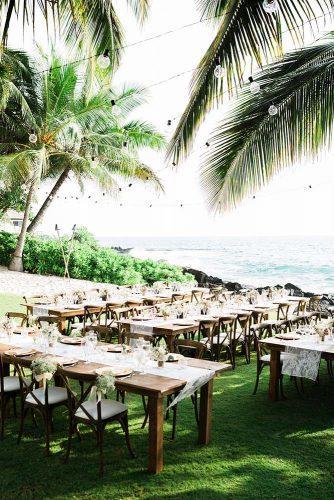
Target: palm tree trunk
<point>16,264</point>
<point>41,212</point>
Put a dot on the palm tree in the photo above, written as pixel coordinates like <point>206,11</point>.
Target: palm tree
<point>250,145</point>
<point>83,23</point>
<point>77,132</point>
<point>245,35</point>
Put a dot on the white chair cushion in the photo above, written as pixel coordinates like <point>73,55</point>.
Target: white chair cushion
<point>56,395</point>
<point>266,357</point>
<point>108,409</point>
<point>12,384</point>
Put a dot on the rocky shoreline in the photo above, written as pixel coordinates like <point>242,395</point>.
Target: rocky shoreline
<point>204,279</point>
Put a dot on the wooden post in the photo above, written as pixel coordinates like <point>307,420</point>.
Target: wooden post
<point>155,434</point>
<point>205,409</point>
<point>275,373</point>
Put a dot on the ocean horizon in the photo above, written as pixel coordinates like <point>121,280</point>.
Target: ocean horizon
<point>307,262</point>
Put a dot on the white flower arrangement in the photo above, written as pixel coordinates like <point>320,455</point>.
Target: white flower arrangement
<point>42,367</point>
<point>105,383</point>
<point>158,353</point>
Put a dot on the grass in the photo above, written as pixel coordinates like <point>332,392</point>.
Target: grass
<point>259,449</point>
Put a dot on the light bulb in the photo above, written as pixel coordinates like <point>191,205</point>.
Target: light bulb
<point>33,138</point>
<point>255,87</point>
<point>94,163</point>
<point>219,71</point>
<point>273,110</point>
<point>104,60</point>
<point>270,6</point>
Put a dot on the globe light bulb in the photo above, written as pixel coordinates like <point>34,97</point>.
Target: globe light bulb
<point>273,110</point>
<point>94,163</point>
<point>270,6</point>
<point>104,60</point>
<point>219,71</point>
<point>255,87</point>
<point>33,138</point>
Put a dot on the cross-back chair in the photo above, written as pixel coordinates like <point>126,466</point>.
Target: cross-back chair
<point>18,317</point>
<point>96,414</point>
<point>42,400</point>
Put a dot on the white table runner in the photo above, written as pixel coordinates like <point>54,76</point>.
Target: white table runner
<point>194,377</point>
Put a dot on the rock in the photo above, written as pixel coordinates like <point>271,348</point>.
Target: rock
<point>204,279</point>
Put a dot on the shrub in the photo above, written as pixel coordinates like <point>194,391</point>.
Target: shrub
<point>89,261</point>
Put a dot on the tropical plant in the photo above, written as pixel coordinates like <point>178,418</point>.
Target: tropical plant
<point>89,261</point>
<point>85,25</point>
<point>245,35</point>
<point>77,132</point>
<point>250,146</point>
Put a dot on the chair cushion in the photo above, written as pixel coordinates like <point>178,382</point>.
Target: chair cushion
<point>56,395</point>
<point>108,409</point>
<point>266,357</point>
<point>12,384</point>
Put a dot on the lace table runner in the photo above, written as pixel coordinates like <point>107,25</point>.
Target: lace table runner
<point>301,362</point>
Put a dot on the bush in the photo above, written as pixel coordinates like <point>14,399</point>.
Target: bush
<point>89,261</point>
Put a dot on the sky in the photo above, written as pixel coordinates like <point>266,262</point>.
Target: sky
<point>287,206</point>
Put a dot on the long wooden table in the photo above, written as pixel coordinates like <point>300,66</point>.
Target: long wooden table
<point>167,329</point>
<point>276,346</point>
<point>155,388</point>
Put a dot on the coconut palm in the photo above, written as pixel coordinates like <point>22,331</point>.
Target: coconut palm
<point>77,133</point>
<point>250,145</point>
<point>245,34</point>
<point>79,21</point>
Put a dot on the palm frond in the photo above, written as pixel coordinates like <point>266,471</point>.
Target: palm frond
<point>250,146</point>
<point>140,8</point>
<point>245,31</point>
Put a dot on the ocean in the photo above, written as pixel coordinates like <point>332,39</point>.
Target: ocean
<point>307,262</point>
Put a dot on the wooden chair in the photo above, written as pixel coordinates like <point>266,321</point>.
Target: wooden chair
<point>242,336</point>
<point>10,389</point>
<point>190,348</point>
<point>104,333</point>
<point>222,338</point>
<point>41,321</point>
<point>262,332</point>
<point>95,414</point>
<point>21,317</point>
<point>41,400</point>
<point>314,308</point>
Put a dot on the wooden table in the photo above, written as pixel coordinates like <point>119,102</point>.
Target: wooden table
<point>276,346</point>
<point>155,388</point>
<point>166,329</point>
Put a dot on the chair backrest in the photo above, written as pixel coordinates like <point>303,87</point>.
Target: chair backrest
<point>23,318</point>
<point>314,304</point>
<point>37,298</point>
<point>75,402</point>
<point>283,310</point>
<point>190,348</point>
<point>128,336</point>
<point>93,314</point>
<point>48,320</point>
<point>114,314</point>
<point>104,333</point>
<point>28,388</point>
<point>139,310</point>
<point>262,332</point>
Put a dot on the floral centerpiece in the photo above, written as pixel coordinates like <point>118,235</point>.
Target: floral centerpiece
<point>43,370</point>
<point>104,385</point>
<point>158,354</point>
<point>8,325</point>
<point>78,297</point>
<point>51,334</point>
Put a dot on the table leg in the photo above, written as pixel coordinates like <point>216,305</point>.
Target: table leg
<point>155,434</point>
<point>170,342</point>
<point>275,373</point>
<point>205,410</point>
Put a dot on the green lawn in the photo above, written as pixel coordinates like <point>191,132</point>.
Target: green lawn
<point>259,449</point>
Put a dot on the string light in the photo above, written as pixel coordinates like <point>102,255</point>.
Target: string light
<point>169,122</point>
<point>270,6</point>
<point>207,144</point>
<point>32,137</point>
<point>93,163</point>
<point>273,110</point>
<point>113,102</point>
<point>254,87</point>
<point>218,71</point>
<point>103,60</point>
